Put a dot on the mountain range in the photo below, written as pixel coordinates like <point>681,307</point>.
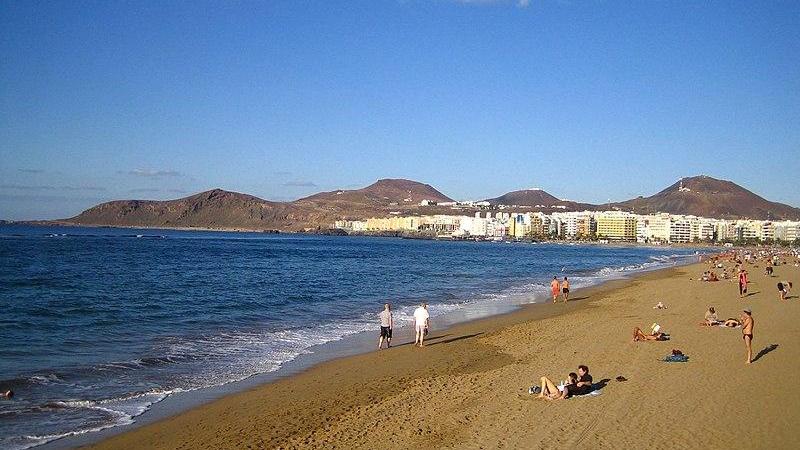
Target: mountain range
<point>219,209</point>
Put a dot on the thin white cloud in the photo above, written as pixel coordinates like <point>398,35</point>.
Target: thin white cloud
<point>23,187</point>
<point>152,173</point>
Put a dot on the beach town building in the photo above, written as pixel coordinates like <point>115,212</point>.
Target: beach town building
<point>571,225</point>
<point>653,228</point>
<point>726,230</point>
<point>616,225</point>
<point>747,229</point>
<point>787,231</point>
<point>604,225</point>
<point>351,225</point>
<point>680,230</point>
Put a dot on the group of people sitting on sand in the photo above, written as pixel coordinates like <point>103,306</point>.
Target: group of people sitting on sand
<point>710,276</point>
<point>577,384</point>
<point>711,320</point>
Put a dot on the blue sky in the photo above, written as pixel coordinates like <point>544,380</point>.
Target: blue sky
<point>590,100</point>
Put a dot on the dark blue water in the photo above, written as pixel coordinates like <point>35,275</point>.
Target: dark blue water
<point>98,324</point>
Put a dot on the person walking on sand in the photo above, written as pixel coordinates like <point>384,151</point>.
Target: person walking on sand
<point>386,326</point>
<point>555,288</point>
<point>565,289</point>
<point>742,283</point>
<point>421,319</point>
<point>747,332</point>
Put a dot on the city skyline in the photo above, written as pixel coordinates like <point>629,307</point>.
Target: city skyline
<point>477,98</point>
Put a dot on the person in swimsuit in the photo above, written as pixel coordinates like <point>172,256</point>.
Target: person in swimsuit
<point>555,288</point>
<point>747,332</point>
<point>731,323</point>
<point>638,335</point>
<point>9,394</point>
<point>565,289</point>
<point>550,391</point>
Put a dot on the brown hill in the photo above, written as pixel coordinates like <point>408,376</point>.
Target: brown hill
<point>219,209</point>
<point>383,193</point>
<point>527,197</point>
<point>537,199</point>
<point>709,197</point>
<point>211,209</point>
<point>378,198</point>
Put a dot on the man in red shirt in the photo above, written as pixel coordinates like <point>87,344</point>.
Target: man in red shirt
<point>742,282</point>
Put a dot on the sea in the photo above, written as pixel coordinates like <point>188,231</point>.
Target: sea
<point>98,325</point>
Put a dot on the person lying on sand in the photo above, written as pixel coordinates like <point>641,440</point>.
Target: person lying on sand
<point>638,335</point>
<point>550,391</point>
<point>710,318</point>
<point>731,323</point>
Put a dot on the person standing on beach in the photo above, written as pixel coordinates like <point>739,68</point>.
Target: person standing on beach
<point>742,282</point>
<point>747,332</point>
<point>565,289</point>
<point>386,326</point>
<point>421,319</point>
<point>555,288</point>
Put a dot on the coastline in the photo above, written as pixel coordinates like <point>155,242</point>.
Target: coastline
<point>355,344</point>
<point>468,387</point>
<point>390,235</point>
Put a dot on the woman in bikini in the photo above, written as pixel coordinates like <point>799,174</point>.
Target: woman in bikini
<point>638,335</point>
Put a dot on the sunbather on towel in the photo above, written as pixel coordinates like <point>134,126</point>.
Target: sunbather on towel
<point>638,335</point>
<point>731,323</point>
<point>550,391</point>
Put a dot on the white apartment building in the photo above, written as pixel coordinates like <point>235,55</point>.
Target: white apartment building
<point>653,228</point>
<point>787,230</point>
<point>680,230</point>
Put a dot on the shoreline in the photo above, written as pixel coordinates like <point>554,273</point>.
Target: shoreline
<point>479,368</point>
<point>353,346</point>
<point>349,346</point>
<point>395,235</point>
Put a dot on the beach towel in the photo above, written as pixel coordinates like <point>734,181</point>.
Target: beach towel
<point>676,358</point>
<point>594,393</point>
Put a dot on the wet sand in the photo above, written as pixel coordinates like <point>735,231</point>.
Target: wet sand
<point>468,387</point>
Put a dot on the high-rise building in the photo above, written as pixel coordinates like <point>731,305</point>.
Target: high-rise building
<point>616,226</point>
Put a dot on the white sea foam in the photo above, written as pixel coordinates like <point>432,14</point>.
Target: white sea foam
<point>239,355</point>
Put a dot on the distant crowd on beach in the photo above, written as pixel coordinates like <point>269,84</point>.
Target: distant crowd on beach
<point>732,266</point>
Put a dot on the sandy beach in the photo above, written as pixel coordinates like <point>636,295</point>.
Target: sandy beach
<point>468,388</point>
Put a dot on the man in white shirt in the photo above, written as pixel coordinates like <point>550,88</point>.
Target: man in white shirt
<point>386,326</point>
<point>421,321</point>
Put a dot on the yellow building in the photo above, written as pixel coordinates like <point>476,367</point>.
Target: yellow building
<point>616,226</point>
